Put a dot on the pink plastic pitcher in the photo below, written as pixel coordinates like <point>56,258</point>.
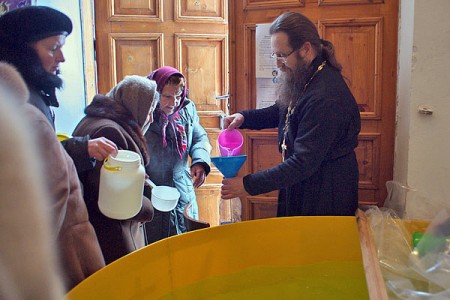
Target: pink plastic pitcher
<point>230,142</point>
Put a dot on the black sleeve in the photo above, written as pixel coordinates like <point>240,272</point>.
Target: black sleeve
<point>262,118</point>
<point>77,148</point>
<point>320,123</point>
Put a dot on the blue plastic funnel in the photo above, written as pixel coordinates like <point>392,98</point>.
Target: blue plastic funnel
<point>229,165</point>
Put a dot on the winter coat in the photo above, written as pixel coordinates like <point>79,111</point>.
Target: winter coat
<point>320,173</point>
<point>76,147</point>
<point>166,168</point>
<point>29,266</point>
<point>76,239</point>
<point>112,119</point>
<point>80,251</point>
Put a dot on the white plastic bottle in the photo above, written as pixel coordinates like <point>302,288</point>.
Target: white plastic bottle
<point>121,185</point>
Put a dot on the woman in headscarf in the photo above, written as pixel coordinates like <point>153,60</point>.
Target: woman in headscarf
<point>122,116</point>
<point>173,137</point>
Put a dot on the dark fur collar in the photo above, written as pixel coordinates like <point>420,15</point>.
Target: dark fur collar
<point>106,108</point>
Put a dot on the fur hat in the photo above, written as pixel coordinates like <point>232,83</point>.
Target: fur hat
<point>32,23</point>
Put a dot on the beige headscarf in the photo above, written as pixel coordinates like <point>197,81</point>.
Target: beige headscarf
<point>138,94</point>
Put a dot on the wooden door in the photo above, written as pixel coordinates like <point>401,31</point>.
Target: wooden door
<point>365,35</point>
<point>138,36</point>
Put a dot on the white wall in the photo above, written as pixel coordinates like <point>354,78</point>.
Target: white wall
<point>422,141</point>
<point>72,97</point>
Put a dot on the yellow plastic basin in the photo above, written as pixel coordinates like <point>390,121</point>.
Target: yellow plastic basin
<point>279,258</point>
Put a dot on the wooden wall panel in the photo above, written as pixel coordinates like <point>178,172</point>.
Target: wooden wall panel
<point>208,204</point>
<point>262,208</point>
<point>358,44</point>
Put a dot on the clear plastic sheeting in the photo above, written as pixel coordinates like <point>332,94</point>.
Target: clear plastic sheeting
<point>230,211</point>
<point>397,195</point>
<point>412,272</point>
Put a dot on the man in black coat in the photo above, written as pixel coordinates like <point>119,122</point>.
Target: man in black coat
<point>318,125</point>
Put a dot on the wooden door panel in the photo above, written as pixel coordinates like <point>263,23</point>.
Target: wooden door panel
<point>368,156</point>
<point>358,44</point>
<point>210,120</point>
<point>134,54</point>
<point>268,4</point>
<point>262,153</point>
<point>203,60</point>
<point>213,10</point>
<point>136,7</point>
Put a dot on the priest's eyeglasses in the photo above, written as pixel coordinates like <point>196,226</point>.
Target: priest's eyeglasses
<point>281,58</point>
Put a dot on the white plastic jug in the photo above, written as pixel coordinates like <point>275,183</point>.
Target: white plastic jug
<point>121,185</point>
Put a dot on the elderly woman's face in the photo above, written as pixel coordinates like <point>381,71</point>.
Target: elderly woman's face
<point>50,53</point>
<point>170,98</point>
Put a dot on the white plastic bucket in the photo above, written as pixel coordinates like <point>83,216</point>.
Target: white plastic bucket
<point>121,185</point>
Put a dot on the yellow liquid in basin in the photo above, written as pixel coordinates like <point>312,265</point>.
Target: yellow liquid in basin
<point>326,280</point>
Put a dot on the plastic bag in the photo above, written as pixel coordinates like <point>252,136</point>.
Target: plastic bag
<point>421,273</point>
<point>397,196</point>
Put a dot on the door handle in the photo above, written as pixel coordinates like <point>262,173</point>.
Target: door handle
<point>223,97</point>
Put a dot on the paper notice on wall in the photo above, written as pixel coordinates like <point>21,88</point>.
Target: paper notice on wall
<point>265,92</point>
<point>267,73</point>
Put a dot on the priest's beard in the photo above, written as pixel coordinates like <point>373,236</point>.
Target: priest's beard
<point>293,83</point>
